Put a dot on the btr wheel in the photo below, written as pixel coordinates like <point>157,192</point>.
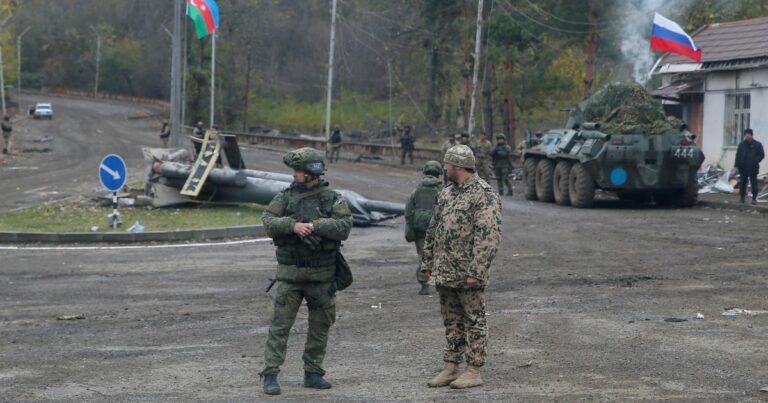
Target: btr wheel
<point>529,178</point>
<point>545,174</point>
<point>581,187</point>
<point>561,183</point>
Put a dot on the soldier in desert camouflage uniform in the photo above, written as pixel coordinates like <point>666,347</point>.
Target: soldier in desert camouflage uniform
<point>461,242</point>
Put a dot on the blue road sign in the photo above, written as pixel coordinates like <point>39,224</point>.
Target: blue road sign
<point>112,172</point>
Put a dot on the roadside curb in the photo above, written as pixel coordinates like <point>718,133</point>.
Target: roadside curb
<point>129,237</point>
<point>733,206</point>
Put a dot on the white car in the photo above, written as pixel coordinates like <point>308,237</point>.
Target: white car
<point>43,110</point>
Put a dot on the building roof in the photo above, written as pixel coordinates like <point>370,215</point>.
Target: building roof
<point>726,42</point>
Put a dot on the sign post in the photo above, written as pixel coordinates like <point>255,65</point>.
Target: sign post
<point>113,174</point>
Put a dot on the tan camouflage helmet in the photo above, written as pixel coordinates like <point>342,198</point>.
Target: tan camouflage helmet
<point>306,159</point>
<point>460,156</point>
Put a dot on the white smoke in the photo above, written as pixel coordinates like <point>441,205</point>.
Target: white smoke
<point>637,20</point>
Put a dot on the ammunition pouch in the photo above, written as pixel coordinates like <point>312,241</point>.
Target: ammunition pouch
<point>343,275</point>
<point>289,258</point>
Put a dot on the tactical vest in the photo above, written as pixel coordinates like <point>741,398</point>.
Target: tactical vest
<point>424,201</point>
<point>306,207</point>
<point>501,153</point>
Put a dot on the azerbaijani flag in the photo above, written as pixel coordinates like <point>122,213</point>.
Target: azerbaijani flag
<point>205,15</point>
<point>667,36</point>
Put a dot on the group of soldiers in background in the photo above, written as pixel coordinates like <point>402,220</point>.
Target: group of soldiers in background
<point>486,155</point>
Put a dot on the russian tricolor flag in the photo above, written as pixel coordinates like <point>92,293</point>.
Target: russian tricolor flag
<point>667,36</point>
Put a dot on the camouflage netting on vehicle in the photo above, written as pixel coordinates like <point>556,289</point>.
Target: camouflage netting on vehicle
<point>623,108</point>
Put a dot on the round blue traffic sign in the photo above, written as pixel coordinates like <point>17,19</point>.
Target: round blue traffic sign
<point>112,172</point>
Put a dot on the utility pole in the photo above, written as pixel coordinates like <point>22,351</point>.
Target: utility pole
<point>2,78</point>
<point>98,58</point>
<point>213,74</point>
<point>478,35</point>
<point>176,76</point>
<point>330,73</point>
<point>18,65</point>
<point>247,90</point>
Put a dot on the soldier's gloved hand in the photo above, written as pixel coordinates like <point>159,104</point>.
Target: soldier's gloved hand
<point>427,275</point>
<point>303,229</point>
<point>314,242</point>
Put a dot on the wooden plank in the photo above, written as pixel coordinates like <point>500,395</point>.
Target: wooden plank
<point>206,160</point>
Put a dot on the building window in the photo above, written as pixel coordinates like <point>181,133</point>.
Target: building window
<point>736,118</point>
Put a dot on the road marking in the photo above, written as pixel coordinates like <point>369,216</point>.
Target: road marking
<point>115,174</point>
<point>200,244</point>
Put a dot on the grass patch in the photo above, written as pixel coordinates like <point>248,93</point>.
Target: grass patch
<point>79,215</point>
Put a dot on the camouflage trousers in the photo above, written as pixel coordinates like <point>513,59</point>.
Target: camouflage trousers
<point>502,178</point>
<point>419,249</point>
<point>7,141</point>
<point>483,168</point>
<point>322,313</point>
<point>335,151</point>
<point>466,329</point>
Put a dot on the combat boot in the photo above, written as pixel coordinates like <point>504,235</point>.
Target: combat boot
<point>424,289</point>
<point>271,387</point>
<point>741,200</point>
<point>316,381</point>
<point>469,379</point>
<point>449,374</point>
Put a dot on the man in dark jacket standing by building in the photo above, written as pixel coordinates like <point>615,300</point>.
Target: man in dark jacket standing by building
<point>307,223</point>
<point>748,157</point>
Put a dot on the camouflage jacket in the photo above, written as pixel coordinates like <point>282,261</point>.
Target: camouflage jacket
<point>482,149</point>
<point>311,259</point>
<point>420,207</point>
<point>464,234</point>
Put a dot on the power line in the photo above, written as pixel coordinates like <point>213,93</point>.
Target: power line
<point>548,14</point>
<point>545,25</point>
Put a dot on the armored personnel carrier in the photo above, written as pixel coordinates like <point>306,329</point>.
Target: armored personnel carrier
<point>618,140</point>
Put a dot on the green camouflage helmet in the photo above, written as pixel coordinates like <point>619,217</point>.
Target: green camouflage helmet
<point>432,168</point>
<point>305,159</point>
<point>460,156</point>
<point>500,136</point>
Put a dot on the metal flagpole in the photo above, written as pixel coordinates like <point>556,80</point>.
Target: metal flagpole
<point>213,73</point>
<point>176,129</point>
<point>18,65</point>
<point>330,73</point>
<point>478,35</point>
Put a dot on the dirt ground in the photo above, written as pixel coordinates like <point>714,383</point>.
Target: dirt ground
<point>579,307</point>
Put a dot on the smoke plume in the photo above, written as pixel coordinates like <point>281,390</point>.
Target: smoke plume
<point>637,19</point>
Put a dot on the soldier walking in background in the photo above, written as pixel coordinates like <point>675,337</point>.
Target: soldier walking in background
<point>335,142</point>
<point>461,243</point>
<point>198,132</point>
<point>7,130</point>
<point>502,163</point>
<point>407,144</point>
<point>453,140</point>
<point>307,223</point>
<point>418,213</point>
<point>482,152</point>
<point>165,133</point>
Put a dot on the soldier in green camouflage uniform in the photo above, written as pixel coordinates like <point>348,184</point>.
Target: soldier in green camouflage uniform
<point>307,222</point>
<point>502,163</point>
<point>462,241</point>
<point>418,213</point>
<point>482,153</point>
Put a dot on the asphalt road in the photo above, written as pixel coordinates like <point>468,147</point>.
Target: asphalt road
<point>584,305</point>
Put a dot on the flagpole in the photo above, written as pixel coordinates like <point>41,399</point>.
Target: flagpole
<point>330,74</point>
<point>472,101</point>
<point>213,73</point>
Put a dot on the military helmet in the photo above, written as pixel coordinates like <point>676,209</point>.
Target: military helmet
<point>500,136</point>
<point>432,168</point>
<point>460,156</point>
<point>305,159</point>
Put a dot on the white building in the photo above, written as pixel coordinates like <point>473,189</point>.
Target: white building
<point>724,94</point>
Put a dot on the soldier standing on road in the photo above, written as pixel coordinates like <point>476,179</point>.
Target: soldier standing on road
<point>502,163</point>
<point>418,213</point>
<point>165,133</point>
<point>482,152</point>
<point>407,144</point>
<point>7,129</point>
<point>748,157</point>
<point>464,139</point>
<point>461,243</point>
<point>452,141</point>
<point>335,143</point>
<point>307,223</point>
<point>198,132</point>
